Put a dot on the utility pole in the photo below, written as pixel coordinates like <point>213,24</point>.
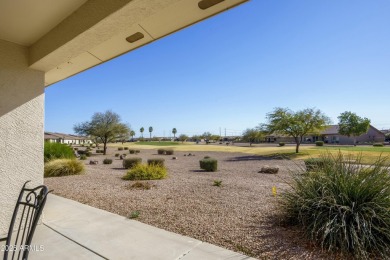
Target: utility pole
<point>220,132</point>
<point>225,132</point>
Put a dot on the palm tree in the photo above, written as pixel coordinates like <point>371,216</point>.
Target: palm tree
<point>142,131</point>
<point>150,132</point>
<point>174,131</point>
<point>132,134</point>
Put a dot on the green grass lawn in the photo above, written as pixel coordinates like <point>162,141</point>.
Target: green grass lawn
<point>369,154</point>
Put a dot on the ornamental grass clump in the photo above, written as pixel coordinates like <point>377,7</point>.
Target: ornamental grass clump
<point>57,151</point>
<point>146,172</point>
<point>107,161</point>
<point>63,167</point>
<point>342,205</point>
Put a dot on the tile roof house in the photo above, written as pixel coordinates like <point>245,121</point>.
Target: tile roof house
<point>66,138</point>
<point>331,135</point>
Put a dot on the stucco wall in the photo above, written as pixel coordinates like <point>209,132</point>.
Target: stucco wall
<point>21,127</point>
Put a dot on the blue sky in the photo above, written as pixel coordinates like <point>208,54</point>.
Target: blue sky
<point>232,69</point>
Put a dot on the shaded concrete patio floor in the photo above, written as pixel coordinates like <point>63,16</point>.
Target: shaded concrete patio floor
<point>72,230</point>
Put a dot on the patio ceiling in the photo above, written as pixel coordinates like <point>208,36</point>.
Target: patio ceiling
<point>71,36</point>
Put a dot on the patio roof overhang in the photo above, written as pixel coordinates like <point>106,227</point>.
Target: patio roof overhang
<point>71,36</point>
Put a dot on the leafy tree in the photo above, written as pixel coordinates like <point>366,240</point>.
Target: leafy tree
<point>150,132</point>
<point>124,136</point>
<point>206,135</point>
<point>253,135</point>
<point>214,137</point>
<point>132,134</point>
<point>105,127</point>
<point>196,138</point>
<point>142,129</point>
<point>295,124</point>
<point>174,131</point>
<point>183,138</point>
<point>351,124</point>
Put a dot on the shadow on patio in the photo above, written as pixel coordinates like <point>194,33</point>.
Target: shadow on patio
<point>72,230</point>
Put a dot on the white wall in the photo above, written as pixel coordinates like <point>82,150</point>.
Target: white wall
<point>21,127</point>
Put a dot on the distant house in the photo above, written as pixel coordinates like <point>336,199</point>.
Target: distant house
<point>331,135</point>
<point>66,138</point>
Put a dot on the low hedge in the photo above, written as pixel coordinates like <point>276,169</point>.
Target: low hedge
<point>378,145</point>
<point>107,161</point>
<point>209,165</point>
<point>156,161</point>
<point>319,143</point>
<point>129,163</point>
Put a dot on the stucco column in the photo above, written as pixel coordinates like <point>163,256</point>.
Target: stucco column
<point>21,127</point>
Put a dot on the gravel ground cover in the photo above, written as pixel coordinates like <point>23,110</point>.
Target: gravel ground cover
<point>239,215</point>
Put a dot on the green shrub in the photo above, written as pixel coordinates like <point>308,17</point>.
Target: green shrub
<point>75,148</point>
<point>117,155</point>
<point>206,157</point>
<point>217,183</point>
<point>157,161</point>
<point>63,167</point>
<point>378,144</point>
<point>83,157</point>
<point>57,151</point>
<point>137,151</point>
<point>169,151</point>
<point>134,214</point>
<point>99,151</point>
<point>131,151</point>
<point>282,144</point>
<point>146,172</point>
<point>129,163</point>
<point>88,154</point>
<point>107,161</point>
<point>141,186</point>
<point>319,143</point>
<point>209,165</point>
<point>315,163</point>
<point>343,206</point>
<point>126,148</point>
<point>161,151</point>
<point>120,148</point>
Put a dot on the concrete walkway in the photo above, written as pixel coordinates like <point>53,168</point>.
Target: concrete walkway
<point>72,230</point>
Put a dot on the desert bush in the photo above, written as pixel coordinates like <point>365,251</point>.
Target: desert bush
<point>131,162</point>
<point>120,148</point>
<point>57,151</point>
<point>319,143</point>
<point>343,206</point>
<point>88,154</point>
<point>80,152</point>
<point>63,167</point>
<point>315,163</point>
<point>83,157</point>
<point>161,151</point>
<point>126,148</point>
<point>117,155</point>
<point>282,144</point>
<point>75,148</point>
<point>99,151</point>
<point>217,183</point>
<point>131,151</point>
<point>378,144</point>
<point>169,152</point>
<point>156,161</point>
<point>137,151</point>
<point>107,161</point>
<point>209,165</point>
<point>206,157</point>
<point>146,172</point>
<point>141,185</point>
